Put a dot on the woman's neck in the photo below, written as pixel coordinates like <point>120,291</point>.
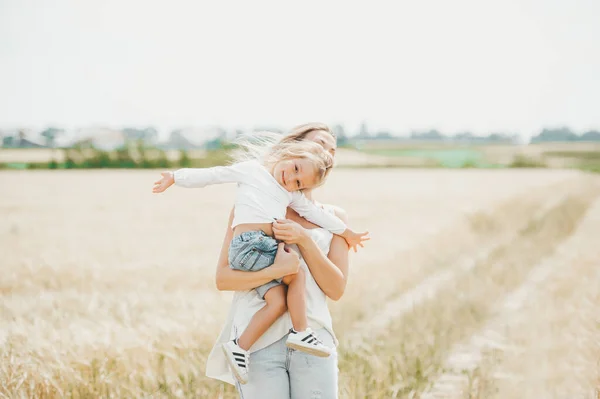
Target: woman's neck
<point>308,194</point>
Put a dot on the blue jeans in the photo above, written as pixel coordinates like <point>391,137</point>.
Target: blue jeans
<point>252,251</point>
<point>277,372</point>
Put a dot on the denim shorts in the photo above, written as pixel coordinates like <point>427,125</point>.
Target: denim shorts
<point>252,251</point>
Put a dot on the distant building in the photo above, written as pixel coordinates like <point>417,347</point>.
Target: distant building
<point>148,135</point>
<point>192,138</point>
<point>101,138</point>
<point>177,141</point>
<point>65,140</point>
<point>21,139</point>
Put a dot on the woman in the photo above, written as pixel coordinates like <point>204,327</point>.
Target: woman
<point>276,371</point>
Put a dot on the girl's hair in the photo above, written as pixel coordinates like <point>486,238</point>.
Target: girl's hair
<point>255,146</point>
<point>269,148</point>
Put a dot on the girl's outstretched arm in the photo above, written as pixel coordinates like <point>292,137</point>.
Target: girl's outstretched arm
<point>317,215</point>
<point>236,280</point>
<point>166,181</point>
<point>202,177</point>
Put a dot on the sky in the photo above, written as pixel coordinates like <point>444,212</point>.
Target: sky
<point>512,66</point>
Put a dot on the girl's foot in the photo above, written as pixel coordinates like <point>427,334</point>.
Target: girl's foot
<point>238,360</point>
<point>307,341</point>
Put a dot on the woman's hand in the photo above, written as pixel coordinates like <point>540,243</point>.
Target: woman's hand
<point>286,262</point>
<point>289,231</point>
<point>165,182</point>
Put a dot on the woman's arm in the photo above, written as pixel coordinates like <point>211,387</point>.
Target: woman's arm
<point>331,271</point>
<point>236,280</point>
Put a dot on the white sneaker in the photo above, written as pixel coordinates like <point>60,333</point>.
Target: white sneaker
<point>307,341</point>
<point>238,361</point>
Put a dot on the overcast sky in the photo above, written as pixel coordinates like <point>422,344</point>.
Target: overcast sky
<point>511,65</point>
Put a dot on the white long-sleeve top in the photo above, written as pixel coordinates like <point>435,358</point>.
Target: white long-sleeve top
<point>259,197</point>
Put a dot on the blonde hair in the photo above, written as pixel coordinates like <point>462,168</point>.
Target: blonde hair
<point>321,160</point>
<point>270,148</point>
<point>255,146</point>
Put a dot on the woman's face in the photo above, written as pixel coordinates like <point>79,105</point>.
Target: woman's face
<point>323,138</point>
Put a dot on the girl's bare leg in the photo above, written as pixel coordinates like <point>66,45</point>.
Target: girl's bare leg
<point>265,317</point>
<point>296,299</point>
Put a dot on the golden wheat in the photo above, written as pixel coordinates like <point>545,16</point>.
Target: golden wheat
<point>108,290</point>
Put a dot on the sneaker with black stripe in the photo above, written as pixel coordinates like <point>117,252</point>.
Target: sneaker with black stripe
<point>238,360</point>
<point>308,342</point>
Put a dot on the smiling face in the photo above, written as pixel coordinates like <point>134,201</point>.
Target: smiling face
<point>295,174</point>
<point>303,159</point>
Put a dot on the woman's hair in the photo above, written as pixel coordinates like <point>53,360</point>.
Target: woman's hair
<point>300,132</point>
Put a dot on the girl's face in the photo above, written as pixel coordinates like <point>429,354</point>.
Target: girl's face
<point>325,139</point>
<point>294,174</point>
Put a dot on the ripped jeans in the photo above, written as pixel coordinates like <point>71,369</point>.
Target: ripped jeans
<point>277,372</point>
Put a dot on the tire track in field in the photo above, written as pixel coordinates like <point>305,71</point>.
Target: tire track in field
<point>553,347</point>
<point>468,356</point>
<point>403,358</point>
<point>453,250</point>
<point>427,289</point>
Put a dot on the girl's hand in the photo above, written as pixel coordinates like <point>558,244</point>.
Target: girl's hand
<point>286,262</point>
<point>355,239</point>
<point>165,182</point>
<point>289,231</point>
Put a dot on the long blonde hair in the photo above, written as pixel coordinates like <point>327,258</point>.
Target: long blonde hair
<point>268,148</point>
<point>255,146</point>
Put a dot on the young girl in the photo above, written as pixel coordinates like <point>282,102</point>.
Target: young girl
<point>266,187</point>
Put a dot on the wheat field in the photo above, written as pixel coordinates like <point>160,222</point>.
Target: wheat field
<point>476,284</point>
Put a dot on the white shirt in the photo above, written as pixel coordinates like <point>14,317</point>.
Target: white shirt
<point>246,303</point>
<point>259,197</point>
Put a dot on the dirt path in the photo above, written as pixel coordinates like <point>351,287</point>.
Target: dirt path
<point>402,350</point>
<point>427,289</point>
<point>522,349</point>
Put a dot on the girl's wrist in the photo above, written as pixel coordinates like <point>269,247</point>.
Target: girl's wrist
<point>304,238</point>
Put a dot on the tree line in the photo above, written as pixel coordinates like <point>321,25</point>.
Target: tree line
<point>564,134</point>
<point>132,155</point>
